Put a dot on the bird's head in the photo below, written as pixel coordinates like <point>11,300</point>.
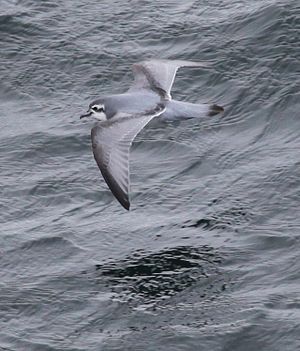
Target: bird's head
<point>96,110</point>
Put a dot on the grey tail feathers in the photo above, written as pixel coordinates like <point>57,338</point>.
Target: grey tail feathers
<point>215,109</point>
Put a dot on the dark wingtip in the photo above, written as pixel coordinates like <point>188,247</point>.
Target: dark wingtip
<point>215,109</point>
<point>121,197</point>
<point>126,205</point>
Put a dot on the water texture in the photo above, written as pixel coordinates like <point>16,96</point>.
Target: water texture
<point>208,257</point>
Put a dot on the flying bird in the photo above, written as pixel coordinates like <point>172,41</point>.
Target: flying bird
<point>120,117</point>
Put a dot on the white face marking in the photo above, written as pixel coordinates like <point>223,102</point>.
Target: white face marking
<point>98,112</point>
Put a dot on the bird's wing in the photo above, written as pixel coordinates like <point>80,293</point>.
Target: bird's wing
<point>111,141</point>
<point>158,75</point>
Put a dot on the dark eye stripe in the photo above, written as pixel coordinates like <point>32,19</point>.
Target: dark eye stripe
<point>97,108</point>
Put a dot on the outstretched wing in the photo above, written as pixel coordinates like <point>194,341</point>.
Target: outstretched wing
<point>158,75</point>
<point>111,141</point>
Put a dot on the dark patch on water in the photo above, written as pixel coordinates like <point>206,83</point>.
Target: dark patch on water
<point>155,276</point>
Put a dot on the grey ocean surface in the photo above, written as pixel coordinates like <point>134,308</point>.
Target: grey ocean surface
<point>208,257</point>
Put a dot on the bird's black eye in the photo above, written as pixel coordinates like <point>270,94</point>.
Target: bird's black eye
<point>97,108</point>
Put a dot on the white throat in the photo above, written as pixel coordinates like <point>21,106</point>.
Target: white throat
<point>100,116</point>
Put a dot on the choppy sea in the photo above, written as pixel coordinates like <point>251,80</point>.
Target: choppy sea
<point>209,256</point>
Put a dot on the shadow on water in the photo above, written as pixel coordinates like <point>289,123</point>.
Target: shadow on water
<point>157,276</point>
<point>152,289</point>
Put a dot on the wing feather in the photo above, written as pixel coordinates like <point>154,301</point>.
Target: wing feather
<point>159,75</point>
<point>111,141</point>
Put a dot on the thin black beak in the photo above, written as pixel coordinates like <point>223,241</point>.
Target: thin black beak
<point>86,115</point>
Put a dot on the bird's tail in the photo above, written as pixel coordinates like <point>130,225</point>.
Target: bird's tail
<point>177,110</point>
<point>215,109</point>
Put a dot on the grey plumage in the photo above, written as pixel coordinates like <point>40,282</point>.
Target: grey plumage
<point>111,141</point>
<point>122,116</point>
